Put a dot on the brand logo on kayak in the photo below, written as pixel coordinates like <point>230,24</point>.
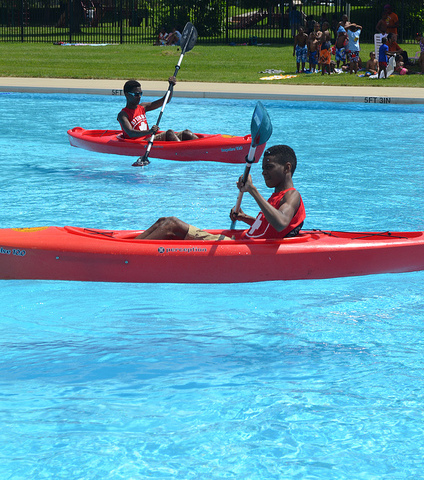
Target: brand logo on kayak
<point>14,251</point>
<point>181,250</point>
<point>231,149</point>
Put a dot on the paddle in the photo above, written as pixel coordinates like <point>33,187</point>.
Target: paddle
<point>187,42</point>
<point>261,130</point>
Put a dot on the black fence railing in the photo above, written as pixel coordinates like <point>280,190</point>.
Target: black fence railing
<point>217,21</point>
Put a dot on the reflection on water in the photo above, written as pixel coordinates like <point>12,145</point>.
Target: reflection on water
<point>305,379</point>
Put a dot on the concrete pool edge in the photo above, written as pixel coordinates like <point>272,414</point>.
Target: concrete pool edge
<point>371,94</point>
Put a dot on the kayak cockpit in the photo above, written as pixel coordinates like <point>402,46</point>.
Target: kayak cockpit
<point>235,235</point>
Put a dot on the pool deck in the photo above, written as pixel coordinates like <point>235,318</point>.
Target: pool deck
<point>366,94</point>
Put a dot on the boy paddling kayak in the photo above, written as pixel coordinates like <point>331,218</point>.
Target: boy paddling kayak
<point>280,216</point>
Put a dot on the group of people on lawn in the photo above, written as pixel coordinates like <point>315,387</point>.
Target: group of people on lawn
<point>164,38</point>
<point>317,49</point>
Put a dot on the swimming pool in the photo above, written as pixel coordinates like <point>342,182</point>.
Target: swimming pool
<point>307,379</point>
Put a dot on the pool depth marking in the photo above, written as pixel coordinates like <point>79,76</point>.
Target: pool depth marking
<point>377,100</point>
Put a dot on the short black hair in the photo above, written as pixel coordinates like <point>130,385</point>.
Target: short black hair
<point>130,85</point>
<point>284,154</point>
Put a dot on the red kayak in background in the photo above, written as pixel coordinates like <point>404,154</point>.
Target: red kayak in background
<point>213,148</point>
<point>90,254</point>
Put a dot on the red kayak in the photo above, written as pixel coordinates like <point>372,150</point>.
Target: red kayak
<point>71,253</point>
<point>214,148</point>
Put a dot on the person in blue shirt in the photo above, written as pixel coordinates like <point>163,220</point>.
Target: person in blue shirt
<point>382,56</point>
<point>296,20</point>
<point>174,38</point>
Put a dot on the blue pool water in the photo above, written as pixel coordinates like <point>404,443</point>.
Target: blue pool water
<point>278,380</point>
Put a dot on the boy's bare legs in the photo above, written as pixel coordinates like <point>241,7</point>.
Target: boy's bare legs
<point>172,136</point>
<point>166,228</point>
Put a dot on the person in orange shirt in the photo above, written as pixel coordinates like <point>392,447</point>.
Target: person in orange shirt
<point>395,48</point>
<point>392,20</point>
<point>325,50</point>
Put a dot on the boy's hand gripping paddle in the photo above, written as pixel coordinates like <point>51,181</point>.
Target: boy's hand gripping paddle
<point>261,130</point>
<point>188,40</point>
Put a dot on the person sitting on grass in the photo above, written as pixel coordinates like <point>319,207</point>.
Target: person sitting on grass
<point>394,47</point>
<point>400,66</point>
<point>133,120</point>
<point>162,37</point>
<point>174,38</point>
<point>282,215</point>
<point>372,65</point>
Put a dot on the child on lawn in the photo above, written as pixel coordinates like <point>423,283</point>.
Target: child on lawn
<point>300,49</point>
<point>372,64</point>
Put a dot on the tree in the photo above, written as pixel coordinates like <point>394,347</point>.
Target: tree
<point>207,16</point>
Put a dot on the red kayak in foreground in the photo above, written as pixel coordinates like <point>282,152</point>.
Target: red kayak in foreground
<point>71,253</point>
<point>214,148</point>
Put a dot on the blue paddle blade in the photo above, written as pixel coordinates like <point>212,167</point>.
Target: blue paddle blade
<point>188,37</point>
<point>261,126</point>
<point>261,130</point>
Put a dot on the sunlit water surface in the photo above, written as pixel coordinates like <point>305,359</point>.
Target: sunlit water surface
<point>280,380</point>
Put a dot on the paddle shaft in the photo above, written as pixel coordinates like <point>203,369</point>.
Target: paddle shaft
<point>168,94</point>
<point>190,36</point>
<point>249,160</point>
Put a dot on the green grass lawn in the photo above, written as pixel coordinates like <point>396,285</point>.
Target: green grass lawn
<point>226,64</point>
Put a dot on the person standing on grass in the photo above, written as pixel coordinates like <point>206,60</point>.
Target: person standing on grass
<point>341,42</point>
<point>392,20</point>
<point>300,49</point>
<point>343,22</point>
<point>313,47</point>
<point>325,51</point>
<point>295,19</point>
<point>381,26</point>
<point>353,49</point>
<point>382,56</point>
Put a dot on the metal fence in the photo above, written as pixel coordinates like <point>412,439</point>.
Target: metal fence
<point>217,21</point>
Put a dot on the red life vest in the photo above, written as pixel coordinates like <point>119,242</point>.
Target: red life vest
<point>262,229</point>
<point>137,119</point>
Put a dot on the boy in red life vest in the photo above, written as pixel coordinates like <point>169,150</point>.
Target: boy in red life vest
<point>133,117</point>
<point>282,215</point>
